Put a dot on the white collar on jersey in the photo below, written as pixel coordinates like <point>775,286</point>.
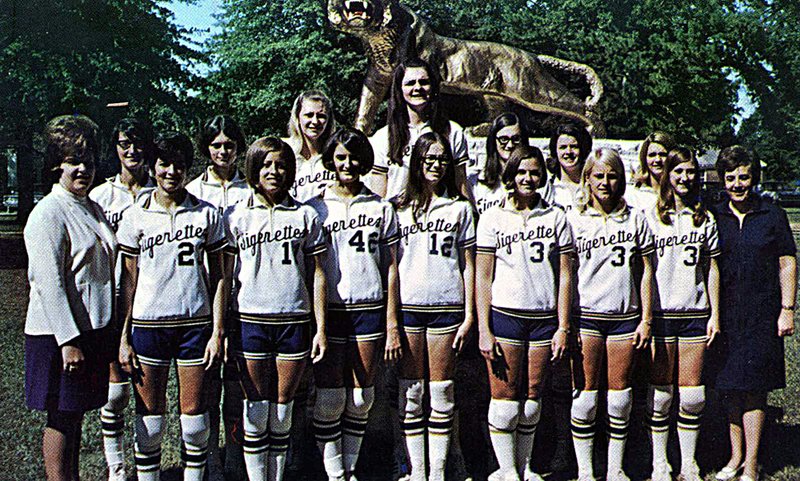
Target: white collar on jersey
<point>541,207</point>
<point>365,192</point>
<point>620,214</point>
<point>117,183</point>
<point>149,203</point>
<point>288,202</point>
<point>210,178</point>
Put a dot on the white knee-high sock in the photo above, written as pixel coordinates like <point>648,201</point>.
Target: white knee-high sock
<point>526,432</point>
<point>410,396</point>
<point>503,420</point>
<point>583,415</point>
<point>659,400</point>
<point>280,423</point>
<point>148,433</point>
<point>692,402</point>
<point>256,438</point>
<point>356,414</point>
<point>328,411</point>
<point>112,420</point>
<point>620,403</point>
<point>440,426</point>
<point>195,429</point>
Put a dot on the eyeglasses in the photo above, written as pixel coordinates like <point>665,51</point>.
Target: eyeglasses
<point>504,140</point>
<point>431,160</point>
<point>127,144</point>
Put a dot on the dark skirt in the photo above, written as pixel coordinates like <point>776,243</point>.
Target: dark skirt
<point>49,388</point>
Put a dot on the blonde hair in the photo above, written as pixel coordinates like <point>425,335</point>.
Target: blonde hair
<point>643,176</point>
<point>605,156</point>
<point>296,139</point>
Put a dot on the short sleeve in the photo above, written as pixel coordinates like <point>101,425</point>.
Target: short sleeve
<point>215,235</point>
<point>566,243</point>
<point>711,247</point>
<point>466,233</point>
<point>486,235</point>
<point>315,241</point>
<point>380,146</point>
<point>458,142</point>
<point>644,236</point>
<point>784,241</point>
<point>128,234</point>
<point>389,233</point>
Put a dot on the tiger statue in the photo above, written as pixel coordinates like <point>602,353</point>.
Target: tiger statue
<point>392,33</point>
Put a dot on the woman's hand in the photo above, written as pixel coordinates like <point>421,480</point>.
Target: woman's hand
<point>462,333</point>
<point>319,345</point>
<point>127,358</point>
<point>712,330</point>
<point>489,347</point>
<point>559,344</point>
<point>73,359</point>
<point>213,349</point>
<point>642,335</point>
<point>394,348</point>
<point>786,323</point>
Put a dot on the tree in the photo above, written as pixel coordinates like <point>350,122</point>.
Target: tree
<point>269,52</point>
<point>64,56</point>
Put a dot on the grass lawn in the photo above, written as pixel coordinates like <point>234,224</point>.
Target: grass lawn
<point>20,428</point>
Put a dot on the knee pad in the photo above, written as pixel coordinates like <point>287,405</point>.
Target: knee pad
<point>692,399</point>
<point>195,429</point>
<point>584,406</point>
<point>359,401</point>
<point>149,431</point>
<point>255,416</point>
<point>119,393</point>
<point>329,405</point>
<point>620,402</point>
<point>442,397</point>
<point>280,417</point>
<point>503,415</point>
<point>531,412</point>
<point>410,396</point>
<point>659,399</point>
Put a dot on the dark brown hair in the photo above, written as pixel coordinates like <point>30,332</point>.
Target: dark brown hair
<point>254,159</point>
<point>735,156</point>
<point>356,142</point>
<point>520,153</point>
<point>69,136</point>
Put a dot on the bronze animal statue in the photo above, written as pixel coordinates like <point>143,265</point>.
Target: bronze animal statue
<point>391,33</point>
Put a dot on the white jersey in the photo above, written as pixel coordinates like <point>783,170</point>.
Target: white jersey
<point>172,287</point>
<point>397,175</point>
<point>356,229</point>
<point>220,194</point>
<point>679,273</point>
<point>311,179</point>
<point>526,247</point>
<point>71,252</point>
<point>115,198</point>
<point>271,245</point>
<point>606,248</point>
<point>428,253</point>
<point>486,197</point>
<point>642,198</point>
<point>563,193</point>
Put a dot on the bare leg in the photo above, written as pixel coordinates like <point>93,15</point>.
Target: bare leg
<point>735,403</point>
<point>58,445</point>
<point>441,366</point>
<point>753,421</point>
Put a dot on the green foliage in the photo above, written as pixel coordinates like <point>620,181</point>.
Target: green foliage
<point>269,52</point>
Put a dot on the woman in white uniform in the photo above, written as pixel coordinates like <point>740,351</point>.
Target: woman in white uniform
<point>505,134</point>
<point>311,124</point>
<point>685,309</point>
<point>652,154</point>
<point>436,266</point>
<point>613,312</point>
<point>523,285</point>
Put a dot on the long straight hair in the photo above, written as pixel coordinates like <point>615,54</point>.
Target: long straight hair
<point>666,193</point>
<point>398,111</point>
<point>643,176</point>
<point>416,195</point>
<point>493,170</point>
<point>296,139</point>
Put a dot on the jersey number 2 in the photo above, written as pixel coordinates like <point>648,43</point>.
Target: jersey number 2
<point>446,247</point>
<point>185,254</point>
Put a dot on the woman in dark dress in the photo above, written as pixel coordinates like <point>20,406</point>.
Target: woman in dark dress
<point>759,285</point>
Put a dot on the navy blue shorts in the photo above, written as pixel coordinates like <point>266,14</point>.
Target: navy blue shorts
<point>686,328</point>
<point>285,342</point>
<point>49,388</point>
<point>432,322</point>
<point>523,328</point>
<point>356,326</point>
<point>606,329</point>
<point>158,346</point>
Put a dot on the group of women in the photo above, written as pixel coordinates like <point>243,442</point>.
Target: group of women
<point>345,251</point>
